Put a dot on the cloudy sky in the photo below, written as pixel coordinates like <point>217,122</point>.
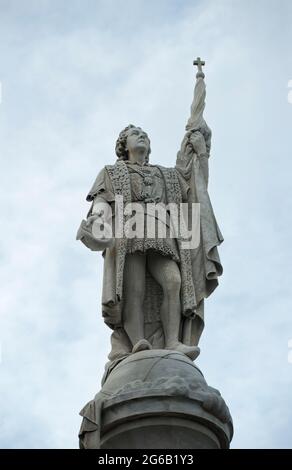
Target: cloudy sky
<point>73,74</point>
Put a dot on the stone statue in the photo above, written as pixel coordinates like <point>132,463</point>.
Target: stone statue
<point>157,274</point>
<point>153,287</point>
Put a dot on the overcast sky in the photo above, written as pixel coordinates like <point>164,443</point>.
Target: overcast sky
<point>75,73</point>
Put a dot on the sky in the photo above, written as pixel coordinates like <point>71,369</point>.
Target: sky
<point>73,74</point>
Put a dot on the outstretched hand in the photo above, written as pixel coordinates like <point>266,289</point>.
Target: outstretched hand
<point>95,234</point>
<point>90,220</point>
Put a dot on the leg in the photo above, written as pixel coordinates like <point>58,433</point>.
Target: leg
<point>134,290</point>
<point>166,272</point>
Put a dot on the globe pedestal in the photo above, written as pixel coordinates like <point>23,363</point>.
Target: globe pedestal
<point>156,399</point>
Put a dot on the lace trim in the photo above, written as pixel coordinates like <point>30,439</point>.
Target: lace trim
<point>165,247</point>
<point>121,183</point>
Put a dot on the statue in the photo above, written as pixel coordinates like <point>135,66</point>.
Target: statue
<point>153,287</point>
<point>157,274</point>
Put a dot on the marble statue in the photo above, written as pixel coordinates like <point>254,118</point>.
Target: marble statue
<point>154,288</point>
<point>157,273</point>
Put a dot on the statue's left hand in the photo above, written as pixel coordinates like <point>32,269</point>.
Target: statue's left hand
<point>92,218</point>
<point>91,235</point>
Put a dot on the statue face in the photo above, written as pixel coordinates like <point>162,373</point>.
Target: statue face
<point>138,140</point>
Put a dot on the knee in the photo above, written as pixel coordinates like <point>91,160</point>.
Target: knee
<point>172,285</point>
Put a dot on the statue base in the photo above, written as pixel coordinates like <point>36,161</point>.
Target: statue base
<point>156,399</point>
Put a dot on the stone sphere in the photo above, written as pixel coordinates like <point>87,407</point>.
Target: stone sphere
<point>160,399</point>
<point>152,369</point>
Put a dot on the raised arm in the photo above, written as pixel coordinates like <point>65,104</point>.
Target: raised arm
<point>196,143</point>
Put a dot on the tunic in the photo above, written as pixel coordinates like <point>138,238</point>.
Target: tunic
<point>147,186</point>
<point>199,267</point>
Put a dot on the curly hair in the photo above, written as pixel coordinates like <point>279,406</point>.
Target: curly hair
<point>121,144</point>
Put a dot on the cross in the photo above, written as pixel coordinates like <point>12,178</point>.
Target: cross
<point>199,63</point>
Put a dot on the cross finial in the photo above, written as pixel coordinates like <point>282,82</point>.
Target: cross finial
<point>199,63</point>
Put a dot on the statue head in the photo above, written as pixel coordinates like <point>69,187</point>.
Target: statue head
<point>133,144</point>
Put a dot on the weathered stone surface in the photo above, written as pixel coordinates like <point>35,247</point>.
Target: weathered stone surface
<point>154,287</point>
<point>156,399</point>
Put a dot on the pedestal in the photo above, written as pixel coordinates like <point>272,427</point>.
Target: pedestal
<point>156,399</point>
